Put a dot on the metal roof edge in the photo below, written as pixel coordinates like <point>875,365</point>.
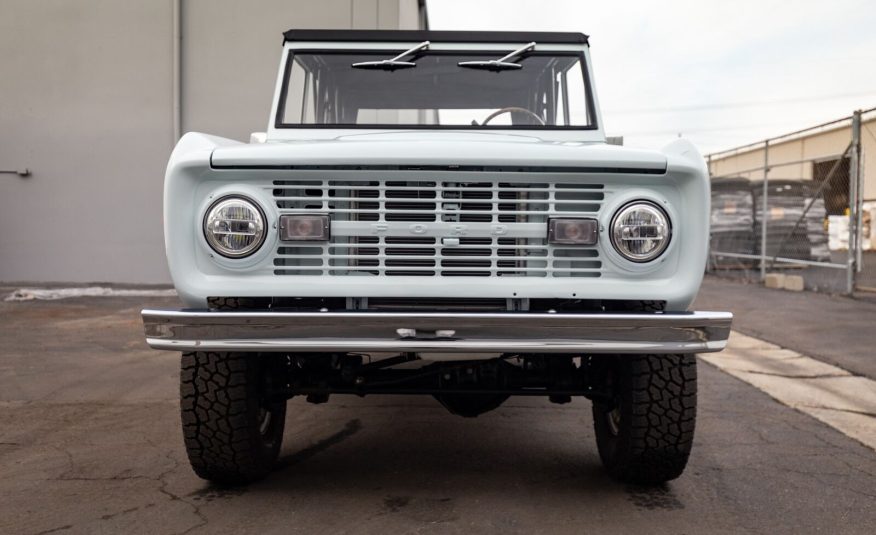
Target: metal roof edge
<point>436,36</point>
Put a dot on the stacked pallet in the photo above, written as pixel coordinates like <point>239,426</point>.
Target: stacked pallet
<point>732,220</point>
<point>787,236</point>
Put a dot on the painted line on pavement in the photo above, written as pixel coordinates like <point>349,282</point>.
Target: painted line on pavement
<point>828,393</point>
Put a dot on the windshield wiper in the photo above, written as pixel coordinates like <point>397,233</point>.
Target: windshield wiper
<point>394,63</point>
<point>501,64</point>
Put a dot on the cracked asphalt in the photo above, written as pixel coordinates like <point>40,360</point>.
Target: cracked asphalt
<point>90,442</point>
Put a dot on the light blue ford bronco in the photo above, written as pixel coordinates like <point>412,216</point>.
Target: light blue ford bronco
<point>436,213</point>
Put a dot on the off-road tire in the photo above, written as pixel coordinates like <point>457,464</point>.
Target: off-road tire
<point>231,303</point>
<point>228,437</point>
<point>648,440</point>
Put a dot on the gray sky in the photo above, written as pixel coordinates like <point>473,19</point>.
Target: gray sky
<point>721,73</point>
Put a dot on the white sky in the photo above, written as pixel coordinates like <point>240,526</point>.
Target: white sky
<point>721,73</point>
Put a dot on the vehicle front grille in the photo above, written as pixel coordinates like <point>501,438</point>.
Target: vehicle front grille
<point>437,228</point>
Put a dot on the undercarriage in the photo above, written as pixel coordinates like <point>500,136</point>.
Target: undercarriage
<point>558,377</point>
<point>233,404</point>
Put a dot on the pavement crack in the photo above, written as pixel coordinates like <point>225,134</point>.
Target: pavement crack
<point>71,466</point>
<point>126,511</point>
<point>54,530</point>
<point>196,509</point>
<point>837,409</point>
<point>110,478</point>
<point>816,436</point>
<point>761,434</point>
<point>857,468</point>
<point>786,376</point>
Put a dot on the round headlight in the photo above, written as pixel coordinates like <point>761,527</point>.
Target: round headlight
<point>640,231</point>
<point>234,227</point>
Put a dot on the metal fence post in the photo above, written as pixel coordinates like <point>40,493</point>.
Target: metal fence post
<point>763,216</point>
<point>855,205</point>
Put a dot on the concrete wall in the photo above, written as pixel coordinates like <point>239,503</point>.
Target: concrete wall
<point>87,106</point>
<point>821,145</point>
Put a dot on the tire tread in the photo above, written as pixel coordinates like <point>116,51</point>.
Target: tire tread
<point>662,419</point>
<point>217,392</point>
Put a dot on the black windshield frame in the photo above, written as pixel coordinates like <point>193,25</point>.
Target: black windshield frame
<point>579,55</point>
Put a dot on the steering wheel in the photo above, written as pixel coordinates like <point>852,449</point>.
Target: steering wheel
<point>512,109</point>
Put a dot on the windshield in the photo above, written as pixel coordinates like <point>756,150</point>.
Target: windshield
<point>430,89</point>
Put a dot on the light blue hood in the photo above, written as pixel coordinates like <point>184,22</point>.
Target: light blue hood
<point>418,148</point>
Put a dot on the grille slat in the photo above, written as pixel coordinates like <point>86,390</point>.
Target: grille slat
<point>499,247</point>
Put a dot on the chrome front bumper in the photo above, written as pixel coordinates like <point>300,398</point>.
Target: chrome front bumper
<point>444,332</point>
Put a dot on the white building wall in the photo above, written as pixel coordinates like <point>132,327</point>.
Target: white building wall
<point>86,103</point>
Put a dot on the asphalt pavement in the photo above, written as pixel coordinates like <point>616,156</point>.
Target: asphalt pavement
<point>836,329</point>
<point>90,442</point>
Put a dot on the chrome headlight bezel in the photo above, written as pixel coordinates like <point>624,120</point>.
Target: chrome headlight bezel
<point>616,232</point>
<point>258,223</point>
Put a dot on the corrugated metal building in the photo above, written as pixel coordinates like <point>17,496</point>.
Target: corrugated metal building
<point>94,93</point>
<point>814,149</point>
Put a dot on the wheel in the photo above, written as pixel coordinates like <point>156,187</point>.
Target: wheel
<point>645,433</point>
<point>232,303</point>
<point>232,434</point>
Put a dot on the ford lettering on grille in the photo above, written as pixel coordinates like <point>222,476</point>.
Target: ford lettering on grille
<point>397,228</point>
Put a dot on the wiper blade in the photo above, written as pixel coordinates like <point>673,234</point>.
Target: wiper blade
<point>501,64</point>
<point>394,63</point>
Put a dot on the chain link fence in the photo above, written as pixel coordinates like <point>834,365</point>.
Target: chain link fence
<point>795,206</point>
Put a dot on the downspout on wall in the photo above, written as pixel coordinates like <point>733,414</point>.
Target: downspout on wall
<point>176,74</point>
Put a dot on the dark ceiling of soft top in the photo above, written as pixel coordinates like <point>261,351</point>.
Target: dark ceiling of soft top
<point>438,37</point>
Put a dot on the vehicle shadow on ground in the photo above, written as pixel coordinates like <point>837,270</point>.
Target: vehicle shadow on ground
<point>425,460</point>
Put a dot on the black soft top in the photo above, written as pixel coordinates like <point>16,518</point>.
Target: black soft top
<point>438,37</point>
